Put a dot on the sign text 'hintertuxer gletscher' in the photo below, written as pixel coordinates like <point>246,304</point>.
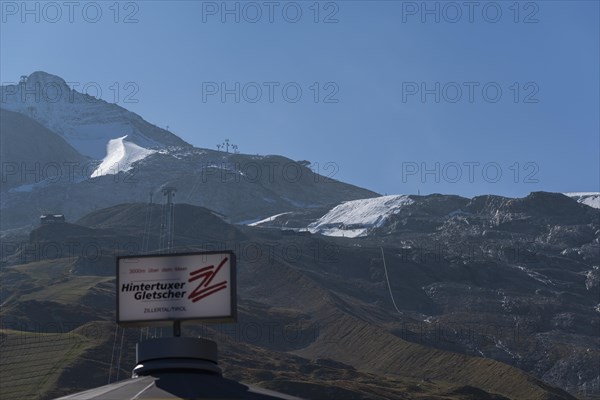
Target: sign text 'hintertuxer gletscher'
<point>176,287</point>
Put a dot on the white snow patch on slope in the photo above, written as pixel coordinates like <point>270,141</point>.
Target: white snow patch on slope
<point>591,199</point>
<point>355,218</point>
<point>269,219</point>
<point>535,275</point>
<point>120,156</point>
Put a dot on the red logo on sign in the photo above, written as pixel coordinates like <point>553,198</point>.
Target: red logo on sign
<point>207,274</point>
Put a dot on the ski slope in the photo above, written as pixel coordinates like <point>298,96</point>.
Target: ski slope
<point>356,218</point>
<point>120,156</point>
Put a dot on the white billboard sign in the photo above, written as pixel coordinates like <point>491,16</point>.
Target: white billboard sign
<point>176,287</point>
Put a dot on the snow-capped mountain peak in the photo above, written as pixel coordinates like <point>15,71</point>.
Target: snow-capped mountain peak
<point>45,79</point>
<point>85,122</point>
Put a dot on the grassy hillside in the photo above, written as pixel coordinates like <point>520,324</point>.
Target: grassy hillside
<point>32,362</point>
<point>326,326</point>
<point>370,362</point>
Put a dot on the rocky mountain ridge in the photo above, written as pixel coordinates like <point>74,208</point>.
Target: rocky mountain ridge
<point>472,287</point>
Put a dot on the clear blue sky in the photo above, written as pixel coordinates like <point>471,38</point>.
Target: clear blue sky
<point>373,57</point>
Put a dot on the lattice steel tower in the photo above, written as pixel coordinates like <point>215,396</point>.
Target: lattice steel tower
<point>167,225</point>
